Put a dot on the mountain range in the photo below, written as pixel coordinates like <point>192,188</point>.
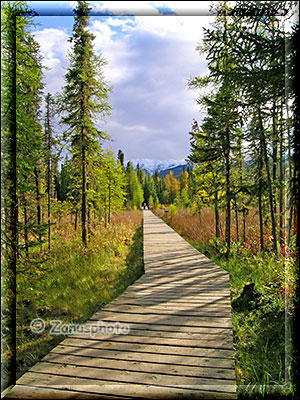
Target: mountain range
<point>163,166</point>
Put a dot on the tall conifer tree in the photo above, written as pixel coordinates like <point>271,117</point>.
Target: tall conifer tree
<point>21,73</point>
<point>84,100</point>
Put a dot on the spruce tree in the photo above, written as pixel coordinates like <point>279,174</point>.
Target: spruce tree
<point>49,142</point>
<point>21,149</point>
<point>84,101</point>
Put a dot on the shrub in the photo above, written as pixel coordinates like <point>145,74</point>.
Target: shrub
<point>173,210</point>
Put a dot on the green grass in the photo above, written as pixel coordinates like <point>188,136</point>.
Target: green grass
<point>72,282</point>
<point>258,296</point>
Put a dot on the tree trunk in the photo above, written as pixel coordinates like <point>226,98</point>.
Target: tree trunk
<point>236,220</point>
<point>76,220</point>
<point>83,189</point>
<point>49,171</point>
<point>89,231</point>
<point>228,193</point>
<point>88,214</point>
<point>49,201</point>
<point>290,177</point>
<point>38,200</point>
<point>264,147</point>
<point>274,145</point>
<point>26,229</point>
<point>260,187</point>
<point>109,201</point>
<point>217,217</point>
<point>10,206</point>
<point>281,181</point>
<point>105,214</point>
<point>244,225</point>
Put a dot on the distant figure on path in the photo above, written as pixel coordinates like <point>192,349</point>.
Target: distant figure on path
<point>145,206</point>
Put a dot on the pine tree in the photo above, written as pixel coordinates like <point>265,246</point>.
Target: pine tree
<point>21,149</point>
<point>49,142</point>
<point>121,158</point>
<point>107,192</point>
<point>84,101</point>
<point>137,192</point>
<point>172,187</point>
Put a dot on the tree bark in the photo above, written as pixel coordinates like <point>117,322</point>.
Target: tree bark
<point>109,201</point>
<point>228,193</point>
<point>236,220</point>
<point>76,220</point>
<point>49,171</point>
<point>11,203</point>
<point>217,217</point>
<point>281,181</point>
<point>83,189</point>
<point>264,147</point>
<point>244,224</point>
<point>260,187</point>
<point>38,199</point>
<point>88,215</point>
<point>26,229</point>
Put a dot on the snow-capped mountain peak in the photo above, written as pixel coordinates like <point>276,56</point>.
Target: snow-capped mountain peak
<point>151,166</point>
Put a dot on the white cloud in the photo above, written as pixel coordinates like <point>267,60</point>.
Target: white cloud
<point>114,48</point>
<point>53,42</point>
<point>149,59</point>
<point>123,8</point>
<point>150,8</point>
<point>183,28</point>
<point>54,48</point>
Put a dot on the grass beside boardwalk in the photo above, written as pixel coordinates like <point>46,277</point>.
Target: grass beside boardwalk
<point>260,321</point>
<point>262,293</point>
<point>72,282</point>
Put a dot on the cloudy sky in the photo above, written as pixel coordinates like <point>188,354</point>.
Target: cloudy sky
<point>150,49</point>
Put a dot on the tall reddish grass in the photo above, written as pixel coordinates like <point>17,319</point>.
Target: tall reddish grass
<point>128,217</point>
<point>201,227</point>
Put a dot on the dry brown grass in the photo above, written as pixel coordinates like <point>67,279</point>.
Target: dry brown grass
<point>201,228</point>
<point>128,217</point>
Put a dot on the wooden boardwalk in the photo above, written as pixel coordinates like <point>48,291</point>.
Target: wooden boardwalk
<point>179,344</point>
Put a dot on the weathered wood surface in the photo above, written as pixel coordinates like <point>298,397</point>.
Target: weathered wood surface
<point>179,344</point>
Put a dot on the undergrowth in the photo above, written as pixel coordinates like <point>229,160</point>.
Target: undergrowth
<point>71,282</point>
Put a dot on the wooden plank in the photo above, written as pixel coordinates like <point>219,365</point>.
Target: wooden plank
<point>150,348</point>
<point>177,328</point>
<point>46,393</point>
<point>192,311</point>
<point>132,365</point>
<point>172,306</point>
<point>138,356</point>
<point>201,302</point>
<point>217,343</point>
<point>217,322</point>
<point>220,288</point>
<point>161,311</point>
<point>133,390</point>
<point>209,337</point>
<point>185,281</point>
<point>126,376</point>
<point>182,299</point>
